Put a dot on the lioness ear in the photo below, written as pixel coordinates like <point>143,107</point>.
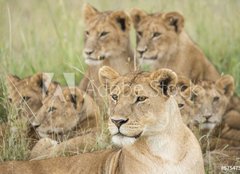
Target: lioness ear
<point>137,15</point>
<point>106,75</point>
<point>89,12</point>
<point>165,80</point>
<point>226,85</point>
<point>121,19</point>
<point>174,21</point>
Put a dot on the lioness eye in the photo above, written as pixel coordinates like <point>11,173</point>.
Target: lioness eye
<point>139,33</point>
<point>156,34</point>
<point>51,109</point>
<point>215,99</point>
<point>104,33</point>
<point>141,98</point>
<point>114,97</point>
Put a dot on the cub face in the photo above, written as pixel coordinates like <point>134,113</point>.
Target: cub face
<point>27,94</point>
<point>60,113</point>
<point>211,100</point>
<point>139,103</point>
<point>157,34</point>
<point>106,34</point>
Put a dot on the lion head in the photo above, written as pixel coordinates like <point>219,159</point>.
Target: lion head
<point>106,35</point>
<point>157,34</point>
<point>210,101</point>
<point>27,93</point>
<point>65,112</point>
<point>140,103</point>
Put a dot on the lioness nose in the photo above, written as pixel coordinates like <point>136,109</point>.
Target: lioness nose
<point>142,50</point>
<point>119,122</point>
<point>88,51</point>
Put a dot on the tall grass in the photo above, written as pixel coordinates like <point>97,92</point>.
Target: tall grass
<point>47,36</point>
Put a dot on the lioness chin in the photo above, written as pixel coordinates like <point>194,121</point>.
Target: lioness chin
<point>145,121</point>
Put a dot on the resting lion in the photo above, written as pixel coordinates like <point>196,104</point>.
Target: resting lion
<point>210,100</point>
<point>106,42</point>
<point>145,121</point>
<point>163,43</point>
<point>71,119</point>
<point>27,93</point>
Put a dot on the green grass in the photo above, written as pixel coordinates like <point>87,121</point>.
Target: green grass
<point>47,36</point>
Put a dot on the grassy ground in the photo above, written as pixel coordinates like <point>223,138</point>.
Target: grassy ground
<point>47,36</point>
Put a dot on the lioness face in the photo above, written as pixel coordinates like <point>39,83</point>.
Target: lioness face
<point>106,34</point>
<point>210,101</point>
<point>27,93</point>
<point>137,103</point>
<point>157,34</point>
<point>60,113</point>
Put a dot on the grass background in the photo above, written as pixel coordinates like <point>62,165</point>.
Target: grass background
<point>47,35</point>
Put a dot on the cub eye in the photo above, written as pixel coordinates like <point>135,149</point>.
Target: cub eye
<point>193,97</point>
<point>51,109</point>
<point>180,105</point>
<point>139,33</point>
<point>10,100</point>
<point>87,33</point>
<point>26,98</point>
<point>216,99</point>
<point>104,33</point>
<point>141,98</point>
<point>115,97</point>
<point>156,34</point>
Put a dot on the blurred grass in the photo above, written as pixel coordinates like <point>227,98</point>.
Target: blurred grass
<point>47,35</point>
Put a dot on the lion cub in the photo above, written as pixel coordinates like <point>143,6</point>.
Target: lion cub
<point>210,100</point>
<point>163,43</point>
<point>27,93</point>
<point>145,121</point>
<point>106,42</point>
<point>69,112</point>
<point>70,117</point>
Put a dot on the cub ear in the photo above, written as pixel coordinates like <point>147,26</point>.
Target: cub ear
<point>11,81</point>
<point>174,21</point>
<point>89,12</point>
<point>165,80</point>
<point>184,86</point>
<point>121,19</point>
<point>75,96</point>
<point>137,16</point>
<point>106,75</point>
<point>226,85</point>
<point>41,81</point>
<point>196,91</point>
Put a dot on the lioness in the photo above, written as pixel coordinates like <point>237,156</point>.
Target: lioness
<point>145,121</point>
<point>163,43</point>
<point>106,42</point>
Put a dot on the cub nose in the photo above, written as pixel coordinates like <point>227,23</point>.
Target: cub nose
<point>142,50</point>
<point>88,51</point>
<point>207,116</point>
<point>119,122</point>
